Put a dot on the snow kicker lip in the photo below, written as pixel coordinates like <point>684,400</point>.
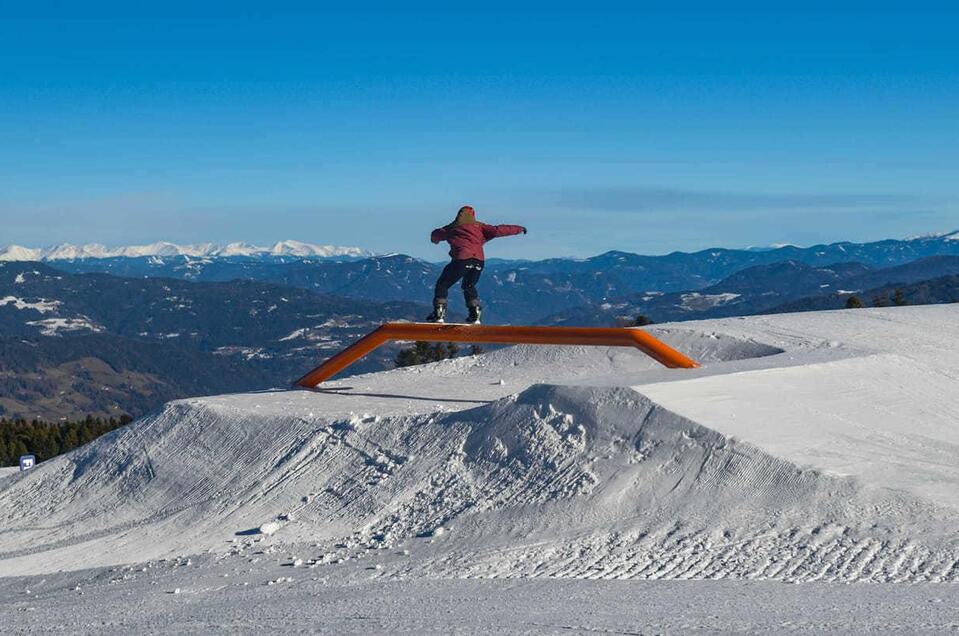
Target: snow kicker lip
<point>627,489</point>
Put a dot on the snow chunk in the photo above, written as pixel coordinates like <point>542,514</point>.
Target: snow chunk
<point>270,527</point>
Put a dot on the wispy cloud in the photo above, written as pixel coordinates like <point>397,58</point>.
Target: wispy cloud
<point>643,200</point>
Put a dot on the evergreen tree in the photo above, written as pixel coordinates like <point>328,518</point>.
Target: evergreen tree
<point>898,299</point>
<point>18,450</point>
<point>70,438</point>
<point>639,321</point>
<point>853,302</point>
<point>424,352</point>
<point>47,439</point>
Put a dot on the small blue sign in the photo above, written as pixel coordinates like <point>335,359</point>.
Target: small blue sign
<point>27,462</point>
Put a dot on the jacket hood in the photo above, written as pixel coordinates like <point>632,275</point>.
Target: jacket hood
<point>465,216</point>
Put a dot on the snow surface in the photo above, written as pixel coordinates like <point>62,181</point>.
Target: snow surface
<point>41,305</point>
<point>810,448</point>
<point>700,302</point>
<point>348,598</point>
<point>68,251</point>
<point>54,326</point>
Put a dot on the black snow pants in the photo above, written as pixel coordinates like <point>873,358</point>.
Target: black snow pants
<point>469,270</point>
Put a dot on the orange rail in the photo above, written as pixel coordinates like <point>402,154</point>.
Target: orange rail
<point>431,332</point>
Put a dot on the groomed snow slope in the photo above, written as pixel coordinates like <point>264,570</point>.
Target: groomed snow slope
<point>809,447</point>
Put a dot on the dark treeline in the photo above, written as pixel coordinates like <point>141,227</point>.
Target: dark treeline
<point>424,353</point>
<point>46,439</point>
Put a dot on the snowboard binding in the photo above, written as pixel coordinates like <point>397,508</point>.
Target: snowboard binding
<point>438,315</point>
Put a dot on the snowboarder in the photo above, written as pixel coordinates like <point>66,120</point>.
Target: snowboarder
<point>466,237</point>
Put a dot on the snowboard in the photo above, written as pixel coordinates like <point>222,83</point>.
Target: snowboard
<point>458,324</point>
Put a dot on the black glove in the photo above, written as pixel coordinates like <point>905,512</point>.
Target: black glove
<point>524,230</point>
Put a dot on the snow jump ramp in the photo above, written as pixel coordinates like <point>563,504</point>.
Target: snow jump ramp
<point>434,332</point>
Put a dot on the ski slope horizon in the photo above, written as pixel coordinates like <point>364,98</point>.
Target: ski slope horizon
<point>813,446</point>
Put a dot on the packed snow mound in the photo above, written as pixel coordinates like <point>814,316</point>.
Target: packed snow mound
<point>530,484</point>
<point>608,469</point>
<point>605,474</point>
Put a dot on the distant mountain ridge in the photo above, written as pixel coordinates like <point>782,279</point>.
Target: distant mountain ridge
<point>68,251</point>
<point>934,291</point>
<point>126,333</point>
<point>98,344</point>
<point>519,291</point>
<point>769,288</point>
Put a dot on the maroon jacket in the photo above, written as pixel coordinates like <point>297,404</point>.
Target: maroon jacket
<point>466,241</point>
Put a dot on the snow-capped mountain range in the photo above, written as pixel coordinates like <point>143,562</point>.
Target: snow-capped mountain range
<point>67,251</point>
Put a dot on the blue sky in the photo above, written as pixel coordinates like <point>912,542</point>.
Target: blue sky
<point>643,129</point>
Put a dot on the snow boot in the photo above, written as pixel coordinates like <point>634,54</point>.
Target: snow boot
<point>439,313</point>
<point>474,316</point>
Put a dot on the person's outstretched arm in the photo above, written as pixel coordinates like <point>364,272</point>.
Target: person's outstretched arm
<point>438,235</point>
<point>495,231</point>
